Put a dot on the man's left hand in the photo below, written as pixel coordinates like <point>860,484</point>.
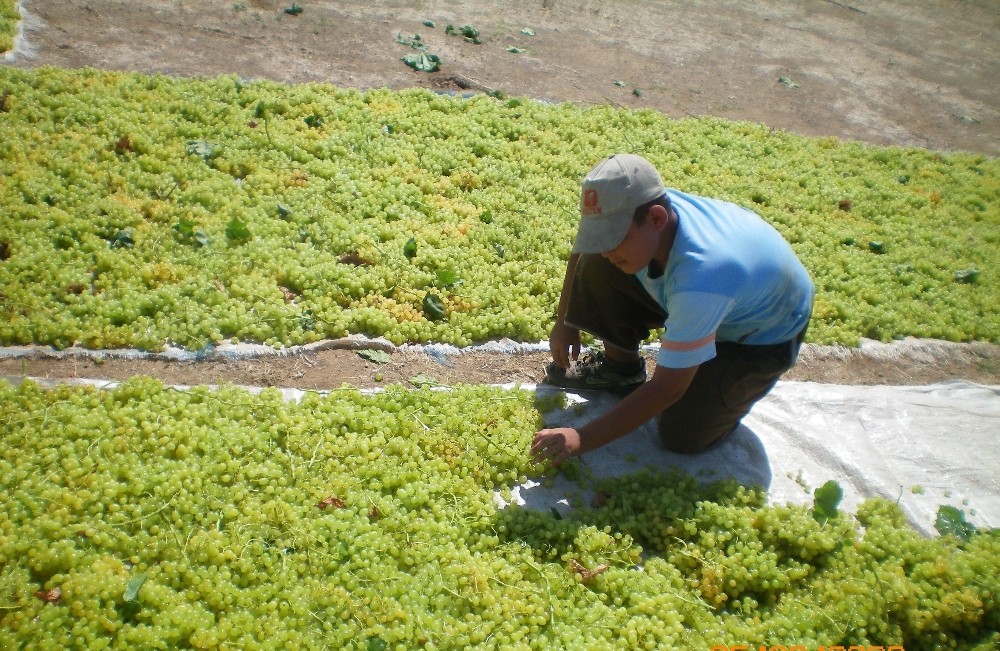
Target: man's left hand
<point>555,445</point>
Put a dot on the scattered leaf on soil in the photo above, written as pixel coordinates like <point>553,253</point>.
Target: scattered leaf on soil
<point>377,356</point>
<point>423,62</point>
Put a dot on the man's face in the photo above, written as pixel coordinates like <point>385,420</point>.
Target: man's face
<point>634,252</point>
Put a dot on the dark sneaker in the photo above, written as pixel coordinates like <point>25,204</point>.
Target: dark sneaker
<point>594,371</point>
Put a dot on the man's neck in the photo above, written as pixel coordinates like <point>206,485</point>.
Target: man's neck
<point>659,262</point>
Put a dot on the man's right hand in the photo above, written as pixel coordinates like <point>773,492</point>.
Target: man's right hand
<point>564,342</point>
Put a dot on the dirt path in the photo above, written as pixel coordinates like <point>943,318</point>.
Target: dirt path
<point>895,72</point>
<point>898,72</point>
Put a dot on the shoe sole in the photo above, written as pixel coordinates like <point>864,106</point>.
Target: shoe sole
<point>617,389</point>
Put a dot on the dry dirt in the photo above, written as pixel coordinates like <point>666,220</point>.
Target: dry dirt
<point>894,72</point>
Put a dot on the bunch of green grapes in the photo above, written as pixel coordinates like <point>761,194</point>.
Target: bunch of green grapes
<point>9,18</point>
<point>145,210</point>
<point>147,517</point>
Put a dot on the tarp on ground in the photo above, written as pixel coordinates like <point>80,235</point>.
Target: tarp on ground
<point>923,446</point>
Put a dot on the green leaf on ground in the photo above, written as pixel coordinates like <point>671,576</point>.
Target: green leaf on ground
<point>413,40</point>
<point>377,356</point>
<point>423,62</point>
<point>470,33</point>
<point>422,380</point>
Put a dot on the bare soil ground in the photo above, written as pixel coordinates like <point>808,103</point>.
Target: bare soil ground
<point>907,363</point>
<point>916,73</point>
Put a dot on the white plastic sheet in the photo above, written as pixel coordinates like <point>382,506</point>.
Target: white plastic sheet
<point>923,446</point>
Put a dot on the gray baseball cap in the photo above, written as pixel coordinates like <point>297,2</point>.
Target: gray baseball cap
<point>608,198</point>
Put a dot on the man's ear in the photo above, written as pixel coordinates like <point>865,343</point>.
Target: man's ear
<point>658,215</point>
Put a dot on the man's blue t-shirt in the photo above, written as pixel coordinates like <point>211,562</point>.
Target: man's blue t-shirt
<point>730,277</point>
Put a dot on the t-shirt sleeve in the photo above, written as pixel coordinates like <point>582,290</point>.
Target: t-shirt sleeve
<point>689,339</point>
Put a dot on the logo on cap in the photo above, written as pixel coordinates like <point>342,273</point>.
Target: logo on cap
<point>591,206</point>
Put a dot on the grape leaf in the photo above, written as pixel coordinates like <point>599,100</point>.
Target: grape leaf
<point>377,356</point>
<point>448,278</point>
<point>468,31</point>
<point>201,148</point>
<point>951,520</point>
<point>422,380</point>
<point>413,41</point>
<point>410,248</point>
<point>132,588</point>
<point>237,231</point>
<point>188,234</point>
<point>123,239</point>
<point>826,499</point>
<point>967,276</point>
<point>433,307</point>
<point>423,62</point>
